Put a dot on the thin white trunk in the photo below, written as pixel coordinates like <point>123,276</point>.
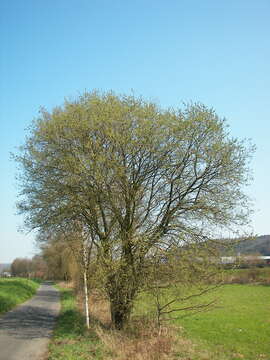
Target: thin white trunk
<point>86,298</point>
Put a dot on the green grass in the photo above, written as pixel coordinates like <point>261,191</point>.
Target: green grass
<point>239,326</point>
<point>15,291</point>
<point>71,340</point>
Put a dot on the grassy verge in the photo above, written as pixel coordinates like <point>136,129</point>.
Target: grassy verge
<point>237,328</point>
<point>71,340</point>
<point>15,291</point>
<point>141,341</point>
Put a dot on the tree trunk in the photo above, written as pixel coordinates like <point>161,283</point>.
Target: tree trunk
<point>122,288</point>
<point>120,313</point>
<point>121,294</point>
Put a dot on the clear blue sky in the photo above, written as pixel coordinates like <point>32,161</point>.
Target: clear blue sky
<point>216,52</point>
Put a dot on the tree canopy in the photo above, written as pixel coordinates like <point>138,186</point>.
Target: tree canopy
<point>137,176</point>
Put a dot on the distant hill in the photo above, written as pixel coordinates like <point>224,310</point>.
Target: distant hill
<point>261,244</point>
<point>4,267</point>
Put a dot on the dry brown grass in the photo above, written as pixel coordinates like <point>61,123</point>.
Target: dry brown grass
<point>144,346</point>
<point>259,276</point>
<point>99,309</point>
<point>146,342</point>
<point>142,340</point>
<point>66,284</point>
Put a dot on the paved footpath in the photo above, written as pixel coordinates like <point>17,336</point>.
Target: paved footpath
<point>25,331</point>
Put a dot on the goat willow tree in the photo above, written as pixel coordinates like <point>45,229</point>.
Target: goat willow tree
<point>138,176</point>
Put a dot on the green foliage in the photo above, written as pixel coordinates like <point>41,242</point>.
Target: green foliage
<point>15,291</point>
<point>106,152</point>
<point>136,177</point>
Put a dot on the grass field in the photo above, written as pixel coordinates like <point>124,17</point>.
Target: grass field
<point>15,291</point>
<point>238,327</point>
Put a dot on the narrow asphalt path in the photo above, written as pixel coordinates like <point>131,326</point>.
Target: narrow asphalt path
<point>25,331</point>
